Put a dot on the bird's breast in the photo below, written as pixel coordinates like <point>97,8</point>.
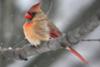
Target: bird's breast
<point>32,34</point>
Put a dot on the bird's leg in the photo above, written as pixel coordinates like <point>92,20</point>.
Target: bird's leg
<point>33,46</point>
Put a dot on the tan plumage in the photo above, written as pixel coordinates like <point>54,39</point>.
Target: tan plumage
<point>38,28</point>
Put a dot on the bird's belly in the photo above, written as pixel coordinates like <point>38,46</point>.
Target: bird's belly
<point>33,37</point>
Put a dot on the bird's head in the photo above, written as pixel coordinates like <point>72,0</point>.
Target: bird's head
<point>33,11</point>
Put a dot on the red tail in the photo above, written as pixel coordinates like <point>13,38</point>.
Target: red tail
<point>77,54</point>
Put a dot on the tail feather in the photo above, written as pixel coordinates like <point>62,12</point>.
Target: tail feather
<point>70,49</point>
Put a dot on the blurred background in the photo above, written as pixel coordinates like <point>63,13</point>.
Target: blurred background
<point>66,14</point>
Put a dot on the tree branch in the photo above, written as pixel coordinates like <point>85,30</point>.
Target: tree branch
<point>27,50</point>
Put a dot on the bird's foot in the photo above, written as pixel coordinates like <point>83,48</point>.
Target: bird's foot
<point>33,46</point>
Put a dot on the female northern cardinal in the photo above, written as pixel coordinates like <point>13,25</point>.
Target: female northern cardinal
<point>37,28</point>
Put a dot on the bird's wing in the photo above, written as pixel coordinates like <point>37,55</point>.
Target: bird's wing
<point>54,31</point>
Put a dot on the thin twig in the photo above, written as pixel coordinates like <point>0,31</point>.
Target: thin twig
<point>90,40</point>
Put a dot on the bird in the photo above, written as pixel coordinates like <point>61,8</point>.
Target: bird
<point>38,28</point>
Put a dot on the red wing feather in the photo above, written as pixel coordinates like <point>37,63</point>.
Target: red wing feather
<point>54,31</point>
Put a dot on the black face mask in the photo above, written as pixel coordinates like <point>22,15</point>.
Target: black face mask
<point>33,14</point>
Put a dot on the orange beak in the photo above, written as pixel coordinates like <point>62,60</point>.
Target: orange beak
<point>28,16</point>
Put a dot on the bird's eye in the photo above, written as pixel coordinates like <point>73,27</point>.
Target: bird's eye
<point>33,14</point>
